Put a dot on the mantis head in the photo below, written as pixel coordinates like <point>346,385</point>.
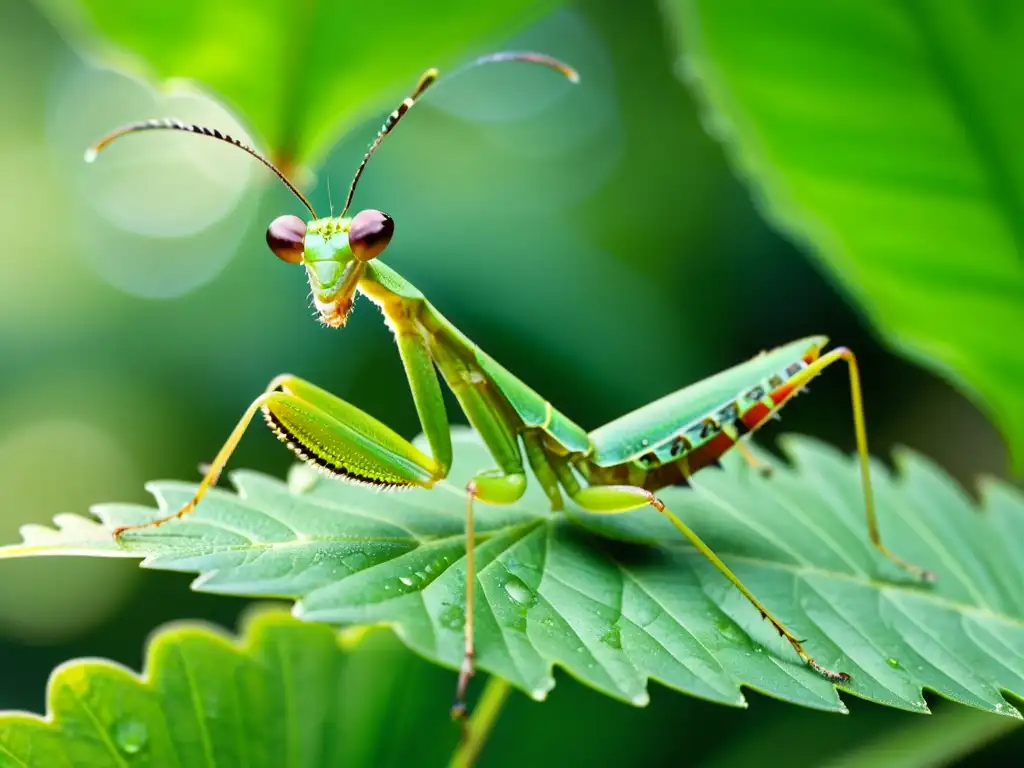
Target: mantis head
<point>334,252</point>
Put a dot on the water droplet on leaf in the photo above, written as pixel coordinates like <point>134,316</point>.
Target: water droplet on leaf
<point>646,611</point>
<point>356,561</point>
<point>453,617</point>
<point>130,736</point>
<point>519,593</point>
<point>894,663</point>
<point>729,630</point>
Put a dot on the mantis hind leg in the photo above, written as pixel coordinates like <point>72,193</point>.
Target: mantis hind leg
<point>614,499</point>
<point>801,379</point>
<point>752,461</point>
<point>325,431</point>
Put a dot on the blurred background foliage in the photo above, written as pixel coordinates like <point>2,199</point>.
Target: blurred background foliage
<point>591,238</point>
<point>886,136</point>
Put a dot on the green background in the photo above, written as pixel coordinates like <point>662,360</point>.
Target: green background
<point>593,240</point>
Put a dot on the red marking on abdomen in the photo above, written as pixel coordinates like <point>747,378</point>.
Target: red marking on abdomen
<point>708,453</point>
<point>754,415</point>
<point>780,394</point>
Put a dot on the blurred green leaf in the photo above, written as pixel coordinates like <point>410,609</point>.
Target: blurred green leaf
<point>928,742</point>
<point>298,74</point>
<point>887,136</point>
<point>871,736</point>
<point>615,614</point>
<point>286,693</point>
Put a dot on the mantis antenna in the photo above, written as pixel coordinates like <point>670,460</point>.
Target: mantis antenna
<point>170,124</point>
<point>430,77</point>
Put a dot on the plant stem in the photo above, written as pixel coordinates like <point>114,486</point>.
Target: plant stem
<point>480,723</point>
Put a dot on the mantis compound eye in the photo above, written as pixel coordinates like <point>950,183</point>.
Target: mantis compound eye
<point>370,234</point>
<point>285,236</point>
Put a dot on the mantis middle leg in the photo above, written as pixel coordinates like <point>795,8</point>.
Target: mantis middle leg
<point>504,484</point>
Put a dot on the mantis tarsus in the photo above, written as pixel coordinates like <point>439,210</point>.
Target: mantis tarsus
<point>614,469</point>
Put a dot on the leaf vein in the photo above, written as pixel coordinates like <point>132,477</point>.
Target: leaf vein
<point>197,703</point>
<point>104,736</point>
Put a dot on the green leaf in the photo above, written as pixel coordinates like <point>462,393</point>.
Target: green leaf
<point>286,693</point>
<point>615,613</point>
<point>950,735</point>
<point>298,74</point>
<point>887,137</point>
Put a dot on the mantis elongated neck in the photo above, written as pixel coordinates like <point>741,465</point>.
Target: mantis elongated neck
<point>405,307</point>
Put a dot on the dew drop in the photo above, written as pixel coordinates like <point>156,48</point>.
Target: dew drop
<point>894,663</point>
<point>729,630</point>
<point>646,611</point>
<point>406,580</point>
<point>356,561</point>
<point>453,617</point>
<point>519,593</point>
<point>130,736</point>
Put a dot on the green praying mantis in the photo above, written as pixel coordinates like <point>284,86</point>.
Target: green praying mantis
<point>614,469</point>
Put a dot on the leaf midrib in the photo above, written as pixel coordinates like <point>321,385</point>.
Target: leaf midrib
<point>98,725</point>
<point>195,694</point>
<point>7,753</point>
<point>801,569</point>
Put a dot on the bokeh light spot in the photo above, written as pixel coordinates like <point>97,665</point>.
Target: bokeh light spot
<point>158,214</point>
<point>48,466</point>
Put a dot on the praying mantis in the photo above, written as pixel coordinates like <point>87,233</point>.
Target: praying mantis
<point>614,469</point>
